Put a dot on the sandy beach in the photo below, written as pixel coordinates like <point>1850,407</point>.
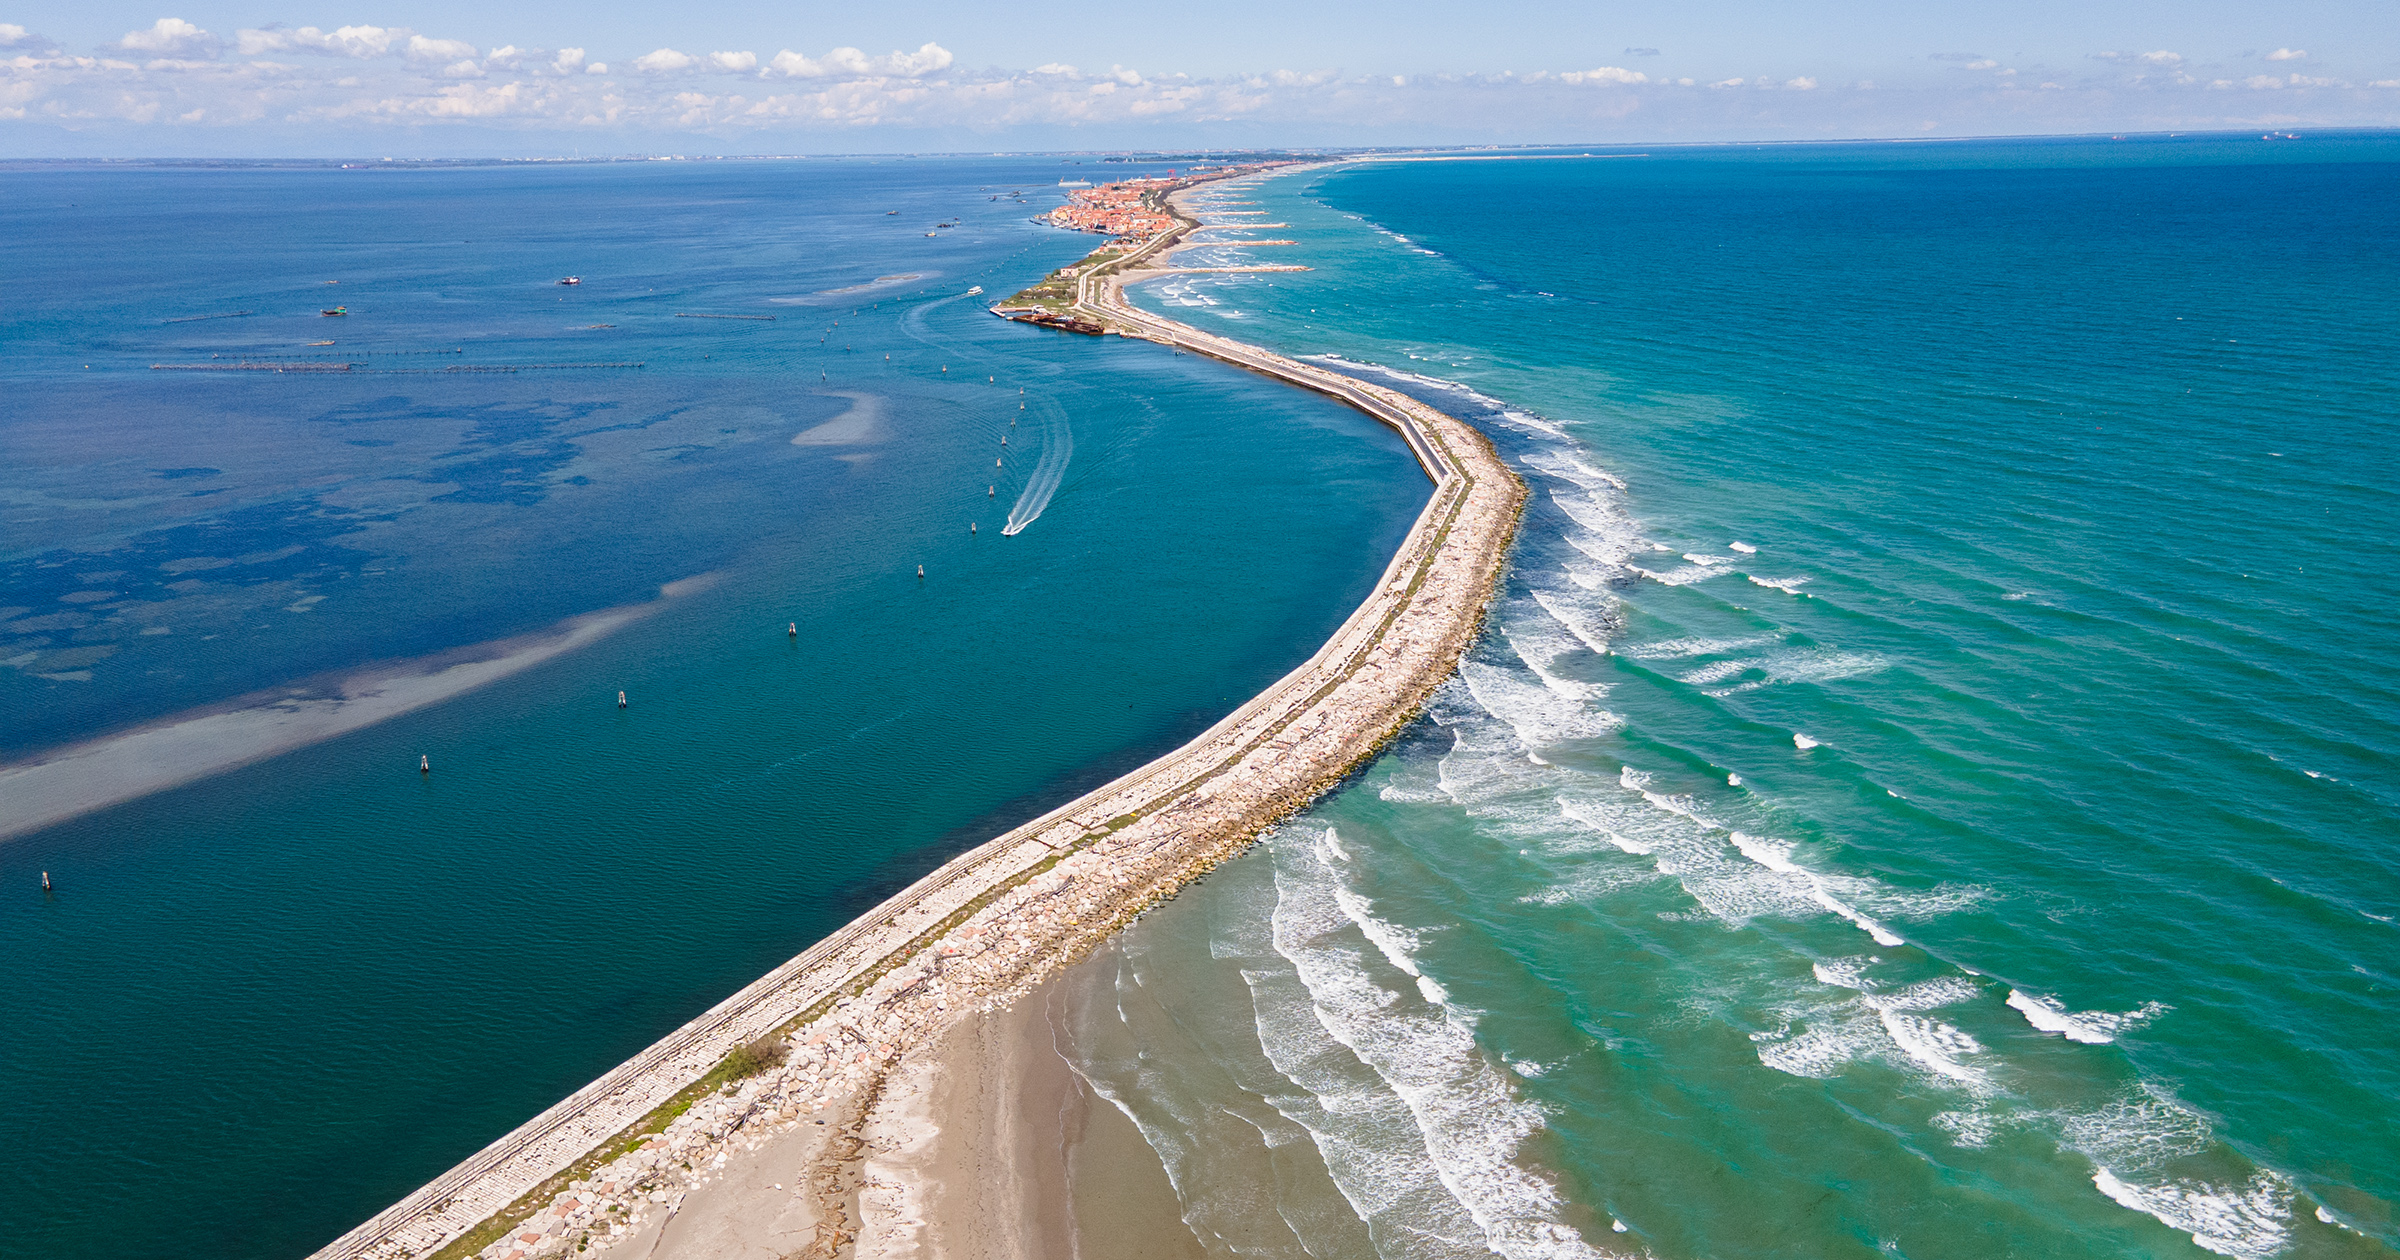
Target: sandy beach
<point>983,1144</point>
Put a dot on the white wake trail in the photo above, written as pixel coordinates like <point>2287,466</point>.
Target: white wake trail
<point>1058,446</point>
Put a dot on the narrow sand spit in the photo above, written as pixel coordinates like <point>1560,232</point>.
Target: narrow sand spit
<point>664,1156</point>
<point>77,779</point>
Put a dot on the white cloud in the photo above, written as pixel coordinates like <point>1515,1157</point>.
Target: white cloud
<point>354,41</point>
<point>664,61</point>
<point>2159,58</point>
<point>2288,54</point>
<point>1605,74</point>
<point>15,36</point>
<point>171,37</point>
<point>2271,83</point>
<point>426,50</point>
<point>850,63</point>
<point>469,101</point>
<point>366,77</point>
<point>348,41</point>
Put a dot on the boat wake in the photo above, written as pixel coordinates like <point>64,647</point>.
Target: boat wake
<point>1058,446</point>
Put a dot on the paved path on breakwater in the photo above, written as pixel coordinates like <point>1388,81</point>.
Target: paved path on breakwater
<point>995,920</point>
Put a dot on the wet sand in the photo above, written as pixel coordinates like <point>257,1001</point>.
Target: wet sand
<point>984,1145</point>
<point>989,1147</point>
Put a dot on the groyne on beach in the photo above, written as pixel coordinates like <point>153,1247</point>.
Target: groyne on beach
<point>822,1034</point>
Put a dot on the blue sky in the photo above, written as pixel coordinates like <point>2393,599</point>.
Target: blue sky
<point>432,77</point>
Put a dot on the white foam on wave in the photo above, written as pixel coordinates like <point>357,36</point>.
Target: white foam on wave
<point>1700,557</point>
<point>1789,586</point>
<point>1718,671</point>
<point>1590,626</point>
<point>1541,643</point>
<point>1542,717</point>
<point>1668,649</point>
<point>1608,536</point>
<point>1515,417</point>
<point>1932,1043</point>
<point>1684,576</point>
<point>1886,1025</point>
<point>1804,743</point>
<point>1743,547</point>
<point>2096,1028</point>
<point>1569,465</point>
<point>1801,666</point>
<point>1469,1121</point>
<point>2134,1145</point>
<point>2247,1220</point>
<point>1847,973</point>
<point>1775,855</point>
<point>1398,944</point>
<point>1882,934</point>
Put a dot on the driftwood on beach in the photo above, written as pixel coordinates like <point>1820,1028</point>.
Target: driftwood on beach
<point>615,1158</point>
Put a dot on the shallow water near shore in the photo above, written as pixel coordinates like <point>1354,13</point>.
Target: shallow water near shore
<point>1929,787</point>
<point>264,1005</point>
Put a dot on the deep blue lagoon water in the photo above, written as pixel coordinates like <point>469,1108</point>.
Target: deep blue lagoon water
<point>1929,788</point>
<point>264,1005</point>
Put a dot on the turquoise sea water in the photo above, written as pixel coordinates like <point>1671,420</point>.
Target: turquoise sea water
<point>1929,787</point>
<point>262,1006</point>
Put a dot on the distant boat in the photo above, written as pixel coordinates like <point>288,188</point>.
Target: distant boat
<point>891,212</point>
<point>1074,183</point>
<point>977,289</point>
<point>929,234</point>
<point>572,280</point>
<point>320,343</point>
<point>339,310</point>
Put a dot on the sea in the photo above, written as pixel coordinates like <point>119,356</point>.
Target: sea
<point>1926,789</point>
<point>262,1001</point>
<point>1928,785</point>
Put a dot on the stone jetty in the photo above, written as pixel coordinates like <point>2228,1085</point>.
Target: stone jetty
<point>606,1163</point>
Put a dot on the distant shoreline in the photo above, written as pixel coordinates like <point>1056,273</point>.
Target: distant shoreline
<point>617,1160</point>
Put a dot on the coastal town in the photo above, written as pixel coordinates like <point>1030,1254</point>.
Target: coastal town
<point>1142,225</point>
<point>1126,209</point>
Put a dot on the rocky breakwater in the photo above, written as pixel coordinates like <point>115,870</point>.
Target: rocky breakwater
<point>614,1163</point>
